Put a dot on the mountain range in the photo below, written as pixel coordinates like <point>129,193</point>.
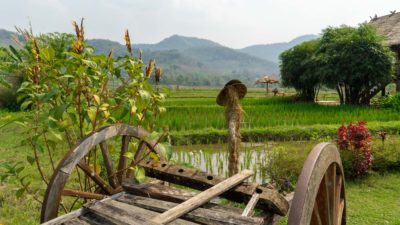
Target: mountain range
<point>199,62</point>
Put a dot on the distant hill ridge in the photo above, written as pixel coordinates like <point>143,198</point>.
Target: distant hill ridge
<point>196,61</point>
<point>271,51</point>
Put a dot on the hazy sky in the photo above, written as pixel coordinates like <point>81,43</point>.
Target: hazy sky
<point>234,23</point>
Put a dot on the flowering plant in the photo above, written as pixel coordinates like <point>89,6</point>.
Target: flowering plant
<point>355,140</point>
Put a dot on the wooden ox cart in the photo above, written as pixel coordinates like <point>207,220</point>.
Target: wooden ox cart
<point>178,195</point>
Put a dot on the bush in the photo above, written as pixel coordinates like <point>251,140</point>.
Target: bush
<point>354,141</point>
<point>284,166</point>
<point>391,101</point>
<point>8,95</point>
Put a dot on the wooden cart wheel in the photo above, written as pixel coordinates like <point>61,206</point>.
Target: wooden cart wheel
<point>319,198</point>
<point>86,156</point>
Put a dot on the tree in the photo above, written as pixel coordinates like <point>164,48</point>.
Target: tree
<point>355,62</point>
<point>299,69</point>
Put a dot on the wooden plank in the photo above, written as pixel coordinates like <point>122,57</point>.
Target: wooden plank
<point>248,211</point>
<point>171,194</point>
<point>202,198</point>
<point>61,219</point>
<point>270,200</point>
<point>117,215</point>
<point>94,219</point>
<point>201,215</point>
<point>75,221</point>
<point>131,214</point>
<point>158,191</point>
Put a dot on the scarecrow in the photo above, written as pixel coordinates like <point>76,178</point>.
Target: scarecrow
<point>229,97</point>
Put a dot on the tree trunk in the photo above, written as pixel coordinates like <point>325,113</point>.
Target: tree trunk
<point>340,93</point>
<point>383,91</point>
<point>398,76</point>
<point>397,50</point>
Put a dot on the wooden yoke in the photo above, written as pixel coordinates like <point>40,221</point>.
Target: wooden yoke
<point>269,199</point>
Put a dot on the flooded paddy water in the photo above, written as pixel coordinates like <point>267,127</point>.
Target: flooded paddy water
<point>213,158</point>
<point>279,160</point>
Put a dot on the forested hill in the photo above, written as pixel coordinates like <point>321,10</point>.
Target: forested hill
<point>194,61</point>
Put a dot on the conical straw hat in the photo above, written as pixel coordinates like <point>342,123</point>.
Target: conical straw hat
<point>240,88</point>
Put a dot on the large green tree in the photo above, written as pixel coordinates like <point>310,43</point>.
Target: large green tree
<point>356,62</point>
<point>300,70</point>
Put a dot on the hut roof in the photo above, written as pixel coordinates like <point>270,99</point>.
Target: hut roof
<point>267,79</point>
<point>388,26</point>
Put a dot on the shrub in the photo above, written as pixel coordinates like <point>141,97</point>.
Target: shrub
<point>354,141</point>
<point>284,166</point>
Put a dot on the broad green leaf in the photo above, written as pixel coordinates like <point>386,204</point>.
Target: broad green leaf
<point>30,159</point>
<point>19,192</point>
<point>97,99</point>
<point>25,104</point>
<point>56,135</point>
<point>154,136</point>
<point>89,63</point>
<point>128,155</point>
<point>47,53</point>
<point>166,150</point>
<point>59,111</point>
<point>140,174</point>
<point>92,111</point>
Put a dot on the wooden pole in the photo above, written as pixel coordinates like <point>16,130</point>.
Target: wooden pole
<point>233,117</point>
<point>202,198</point>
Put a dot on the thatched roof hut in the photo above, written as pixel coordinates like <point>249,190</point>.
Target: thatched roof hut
<point>266,80</point>
<point>389,27</point>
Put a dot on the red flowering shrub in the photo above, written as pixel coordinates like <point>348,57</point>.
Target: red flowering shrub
<point>354,141</point>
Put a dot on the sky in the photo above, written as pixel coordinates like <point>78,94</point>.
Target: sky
<point>233,23</point>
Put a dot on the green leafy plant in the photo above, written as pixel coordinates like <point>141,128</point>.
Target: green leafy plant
<point>71,91</point>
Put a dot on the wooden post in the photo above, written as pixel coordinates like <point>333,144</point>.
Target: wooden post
<point>233,115</point>
<point>230,96</point>
<point>202,198</point>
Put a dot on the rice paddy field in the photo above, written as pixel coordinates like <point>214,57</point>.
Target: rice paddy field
<point>374,199</point>
<point>194,111</point>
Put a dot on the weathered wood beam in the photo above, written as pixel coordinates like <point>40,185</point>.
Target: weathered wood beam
<point>127,214</point>
<point>201,215</point>
<point>202,198</point>
<point>171,194</point>
<point>82,194</point>
<point>270,200</point>
<point>248,211</point>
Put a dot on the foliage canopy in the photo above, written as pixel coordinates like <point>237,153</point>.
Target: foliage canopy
<point>353,60</point>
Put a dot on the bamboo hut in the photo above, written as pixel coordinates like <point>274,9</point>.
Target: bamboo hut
<point>266,80</point>
<point>389,27</point>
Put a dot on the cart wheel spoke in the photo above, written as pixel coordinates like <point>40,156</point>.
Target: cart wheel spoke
<point>122,158</point>
<point>82,194</point>
<point>108,164</point>
<point>95,177</point>
<point>316,219</point>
